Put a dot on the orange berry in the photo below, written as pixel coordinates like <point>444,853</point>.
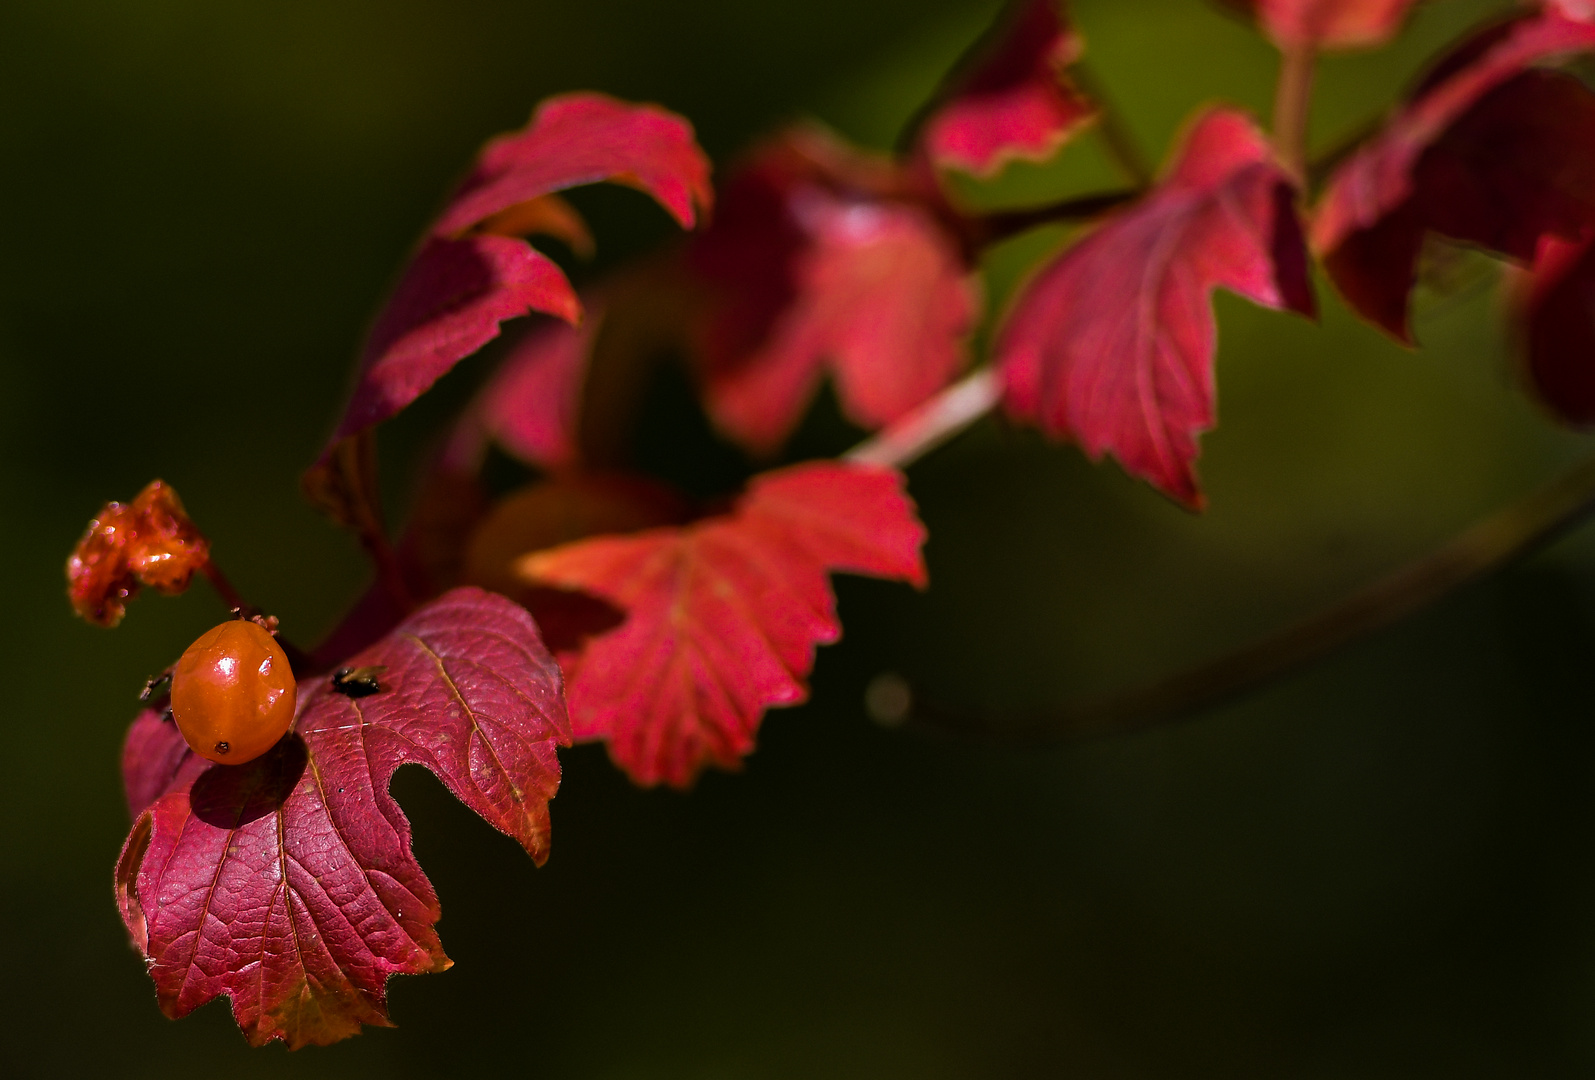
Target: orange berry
<point>233,693</point>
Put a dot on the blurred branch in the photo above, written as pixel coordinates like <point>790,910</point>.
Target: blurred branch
<point>988,229</point>
<point>1117,138</point>
<point>1482,549</point>
<point>1292,106</point>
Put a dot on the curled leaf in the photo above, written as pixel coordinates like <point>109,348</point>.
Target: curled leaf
<point>1111,344</point>
<point>149,541</point>
<point>1490,151</point>
<point>1015,100</point>
<point>472,271</point>
<point>723,615</point>
<point>288,883</point>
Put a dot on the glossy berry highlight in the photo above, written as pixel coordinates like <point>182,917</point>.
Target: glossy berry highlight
<point>233,693</point>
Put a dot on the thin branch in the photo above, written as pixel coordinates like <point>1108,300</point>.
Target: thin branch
<point>224,588</point>
<point>1292,103</point>
<point>991,228</point>
<point>1482,549</point>
<point>932,424</point>
<point>1117,138</point>
<point>344,486</point>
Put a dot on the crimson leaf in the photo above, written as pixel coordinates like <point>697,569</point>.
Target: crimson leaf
<point>288,883</point>
<point>1112,343</point>
<point>468,277</point>
<point>824,257</point>
<point>1489,152</point>
<point>1014,100</point>
<point>723,615</point>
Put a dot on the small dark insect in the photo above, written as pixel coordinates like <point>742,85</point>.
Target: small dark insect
<point>222,747</point>
<point>358,682</point>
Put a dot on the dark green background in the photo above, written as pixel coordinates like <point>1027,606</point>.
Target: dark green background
<point>1382,867</point>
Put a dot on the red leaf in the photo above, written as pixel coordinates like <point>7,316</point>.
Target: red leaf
<point>576,139</point>
<point>824,257</point>
<point>459,287</point>
<point>1015,101</point>
<point>1112,343</point>
<point>449,304</point>
<point>723,615</point>
<point>288,883</point>
<point>1560,338</point>
<point>149,541</point>
<point>1487,153</point>
<point>531,405</point>
<point>1327,24</point>
<point>882,298</point>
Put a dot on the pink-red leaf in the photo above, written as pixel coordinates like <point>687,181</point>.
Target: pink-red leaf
<point>531,405</point>
<point>1112,343</point>
<point>1490,151</point>
<point>288,883</point>
<point>882,298</point>
<point>468,277</point>
<point>1327,24</point>
<point>826,258</point>
<point>1015,100</point>
<point>449,304</point>
<point>1560,328</point>
<point>579,139</point>
<point>723,615</point>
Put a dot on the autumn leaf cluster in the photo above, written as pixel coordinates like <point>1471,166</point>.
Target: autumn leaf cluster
<point>596,603</point>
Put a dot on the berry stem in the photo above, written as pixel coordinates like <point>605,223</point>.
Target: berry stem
<point>224,588</point>
<point>1484,548</point>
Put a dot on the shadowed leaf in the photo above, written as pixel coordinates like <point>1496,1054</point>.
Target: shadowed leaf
<point>288,883</point>
<point>1489,152</point>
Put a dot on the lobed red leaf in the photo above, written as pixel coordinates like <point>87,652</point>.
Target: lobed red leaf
<point>1015,101</point>
<point>827,259</point>
<point>723,615</point>
<point>1560,328</point>
<point>469,275</point>
<point>882,299</point>
<point>1112,343</point>
<point>288,883</point>
<point>1327,24</point>
<point>1489,151</point>
<point>150,541</point>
